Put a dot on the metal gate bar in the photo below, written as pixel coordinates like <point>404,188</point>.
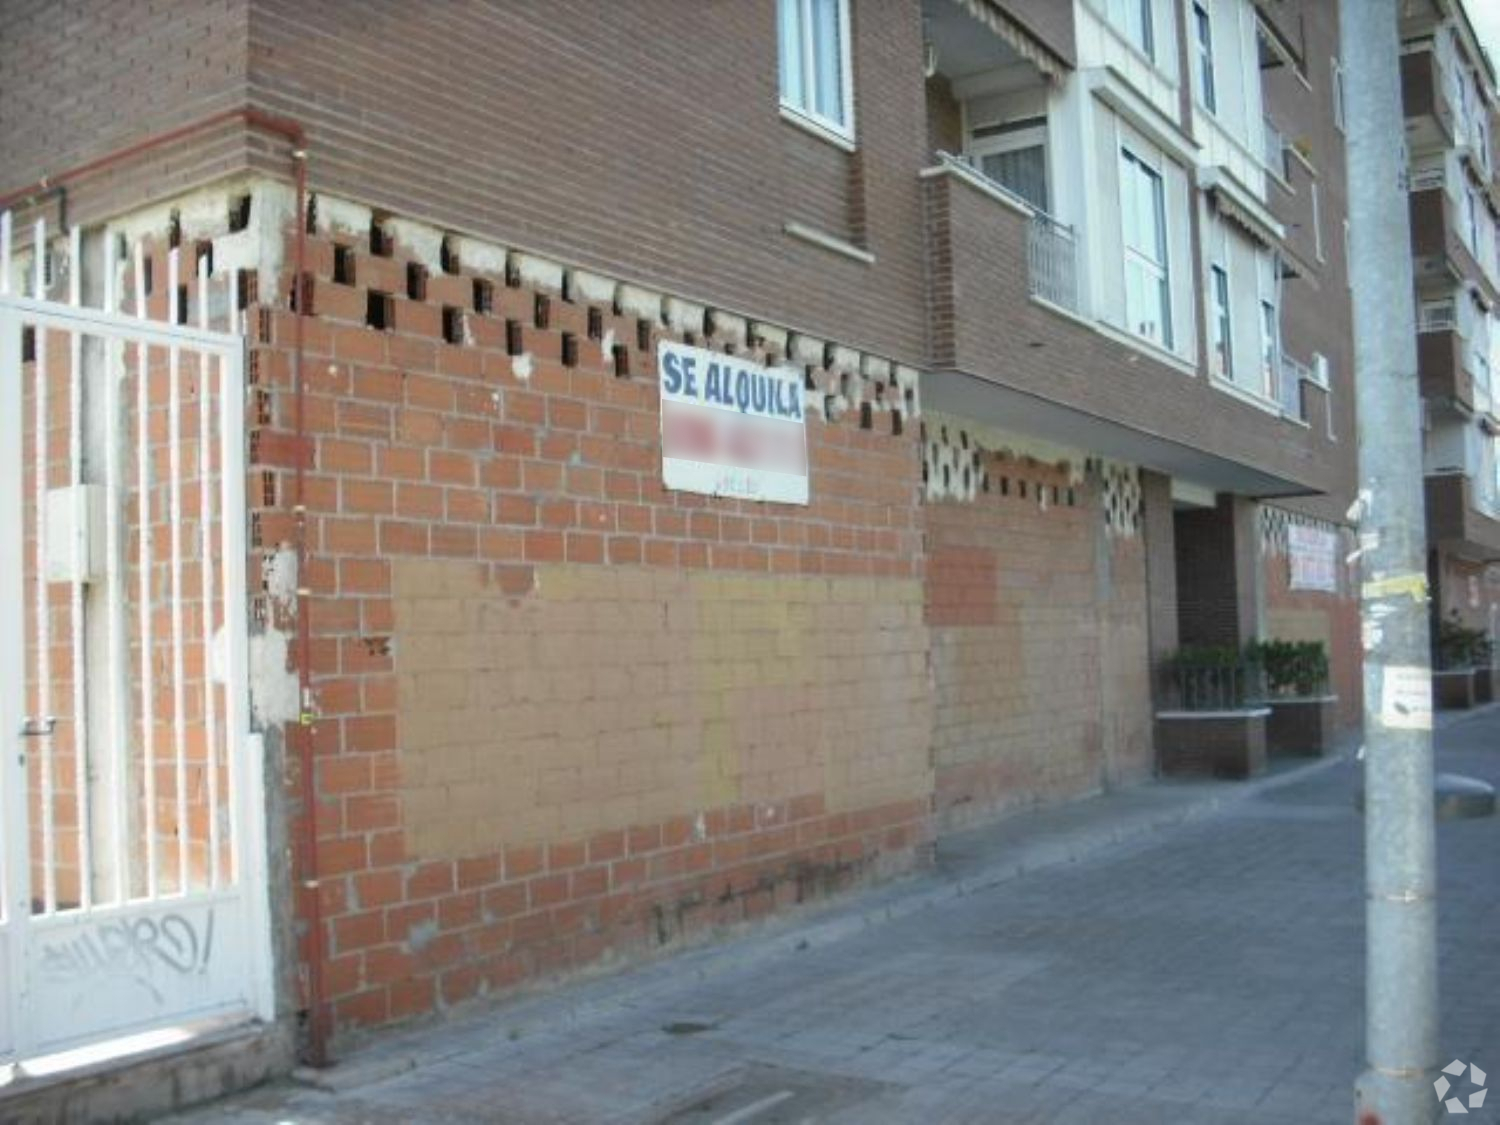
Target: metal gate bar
<point>122,828</point>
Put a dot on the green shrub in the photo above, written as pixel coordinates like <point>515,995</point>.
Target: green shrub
<point>1293,668</point>
<point>1458,646</point>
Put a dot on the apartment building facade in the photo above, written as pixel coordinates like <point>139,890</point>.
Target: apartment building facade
<point>1448,89</point>
<point>1062,288</point>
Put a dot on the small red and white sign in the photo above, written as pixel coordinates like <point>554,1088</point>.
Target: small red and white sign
<point>730,427</point>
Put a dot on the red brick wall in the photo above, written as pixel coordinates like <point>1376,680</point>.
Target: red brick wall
<point>1039,643</point>
<point>463,510</point>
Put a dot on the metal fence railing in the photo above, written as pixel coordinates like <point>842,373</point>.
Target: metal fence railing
<point>1228,686</point>
<point>1052,258</point>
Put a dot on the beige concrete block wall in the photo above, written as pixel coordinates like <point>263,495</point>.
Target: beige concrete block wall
<point>608,697</point>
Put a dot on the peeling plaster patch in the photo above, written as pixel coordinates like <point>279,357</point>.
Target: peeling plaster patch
<point>279,578</point>
<point>274,692</point>
<point>202,213</point>
<point>421,241</point>
<point>607,345</point>
<point>806,349</point>
<point>205,215</point>
<point>638,302</point>
<point>876,369</point>
<point>844,359</point>
<point>592,288</point>
<point>685,316</point>
<point>485,257</point>
<point>728,328</point>
<point>521,366</point>
<point>341,216</point>
<point>908,381</point>
<point>540,273</point>
<point>273,683</point>
<point>768,336</point>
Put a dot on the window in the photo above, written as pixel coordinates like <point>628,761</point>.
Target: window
<point>1270,344</point>
<point>1132,18</point>
<point>1014,155</point>
<point>814,53</point>
<point>1204,33</point>
<point>1221,346</point>
<point>1317,220</point>
<point>1143,222</point>
<point>1337,75</point>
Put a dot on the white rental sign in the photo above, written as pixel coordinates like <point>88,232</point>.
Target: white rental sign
<point>730,427</point>
<point>1313,554</point>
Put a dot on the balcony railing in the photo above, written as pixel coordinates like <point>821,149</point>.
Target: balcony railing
<point>1290,374</point>
<point>1052,258</point>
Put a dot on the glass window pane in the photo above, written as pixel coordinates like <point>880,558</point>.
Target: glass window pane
<point>789,19</point>
<point>1022,170</point>
<point>828,61</point>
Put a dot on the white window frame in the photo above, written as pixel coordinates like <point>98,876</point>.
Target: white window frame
<point>1270,347</point>
<point>1203,51</point>
<point>1221,327</point>
<point>842,130</point>
<point>1336,72</point>
<point>1132,163</point>
<point>1317,220</point>
<point>1118,12</point>
<point>1013,136</point>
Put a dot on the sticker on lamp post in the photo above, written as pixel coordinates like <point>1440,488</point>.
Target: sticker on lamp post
<point>730,427</point>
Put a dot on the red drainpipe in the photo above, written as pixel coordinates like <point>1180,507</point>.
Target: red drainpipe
<point>317,1043</point>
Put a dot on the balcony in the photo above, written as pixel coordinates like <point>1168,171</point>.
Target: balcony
<point>1444,373</point>
<point>1429,116</point>
<point>1439,256</point>
<point>1006,349</point>
<point>1456,519</point>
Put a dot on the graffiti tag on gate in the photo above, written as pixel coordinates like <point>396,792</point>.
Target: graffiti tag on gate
<point>144,950</point>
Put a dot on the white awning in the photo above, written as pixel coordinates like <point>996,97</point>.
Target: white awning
<point>1015,36</point>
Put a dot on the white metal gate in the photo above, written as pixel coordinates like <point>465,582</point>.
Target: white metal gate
<point>132,891</point>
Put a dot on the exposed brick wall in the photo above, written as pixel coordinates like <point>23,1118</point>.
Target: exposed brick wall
<point>1039,646</point>
<point>564,714</point>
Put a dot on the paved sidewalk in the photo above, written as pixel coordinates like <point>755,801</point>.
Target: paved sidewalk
<point>1178,953</point>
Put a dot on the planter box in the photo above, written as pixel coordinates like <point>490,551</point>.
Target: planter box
<point>1212,743</point>
<point>1453,690</point>
<point>1302,727</point>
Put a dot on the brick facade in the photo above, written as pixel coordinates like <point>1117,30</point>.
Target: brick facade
<point>1039,653</point>
<point>562,713</point>
<point>559,715</point>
